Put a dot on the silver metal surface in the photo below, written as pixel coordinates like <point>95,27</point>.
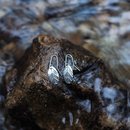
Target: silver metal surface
<point>68,74</point>
<point>68,71</point>
<point>53,73</point>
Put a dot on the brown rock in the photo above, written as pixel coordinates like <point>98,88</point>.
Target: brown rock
<point>94,100</point>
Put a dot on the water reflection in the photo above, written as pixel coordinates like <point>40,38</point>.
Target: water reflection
<point>86,105</point>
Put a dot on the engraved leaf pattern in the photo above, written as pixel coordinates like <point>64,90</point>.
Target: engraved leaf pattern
<point>53,75</point>
<point>68,74</point>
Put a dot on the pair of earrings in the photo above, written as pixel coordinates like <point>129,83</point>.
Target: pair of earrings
<point>53,73</point>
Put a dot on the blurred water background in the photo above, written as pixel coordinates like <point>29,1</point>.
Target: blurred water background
<point>101,26</point>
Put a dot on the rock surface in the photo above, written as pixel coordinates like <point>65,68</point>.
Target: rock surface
<point>95,100</point>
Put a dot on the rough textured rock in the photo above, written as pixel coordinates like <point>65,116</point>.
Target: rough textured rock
<point>95,100</point>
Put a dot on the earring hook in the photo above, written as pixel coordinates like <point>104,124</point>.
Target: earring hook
<point>50,64</point>
<point>73,65</point>
<point>66,58</point>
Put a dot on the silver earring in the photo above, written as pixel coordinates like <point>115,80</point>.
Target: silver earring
<point>68,71</point>
<point>53,74</point>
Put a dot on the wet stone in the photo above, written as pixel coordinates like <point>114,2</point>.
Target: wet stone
<point>77,105</point>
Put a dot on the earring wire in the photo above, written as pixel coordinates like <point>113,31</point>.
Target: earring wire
<point>50,64</point>
<point>66,58</point>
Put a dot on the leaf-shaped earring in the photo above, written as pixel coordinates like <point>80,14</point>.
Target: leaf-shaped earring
<point>53,73</point>
<point>68,71</point>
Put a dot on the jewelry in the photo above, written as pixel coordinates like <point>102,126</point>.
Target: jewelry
<point>68,71</point>
<point>53,73</point>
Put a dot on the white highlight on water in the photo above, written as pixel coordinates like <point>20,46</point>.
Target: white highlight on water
<point>71,118</point>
